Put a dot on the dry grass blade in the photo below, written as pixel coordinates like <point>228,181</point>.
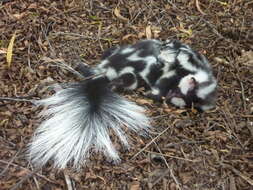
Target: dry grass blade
<point>148,144</point>
<point>148,32</point>
<point>198,7</point>
<point>10,50</point>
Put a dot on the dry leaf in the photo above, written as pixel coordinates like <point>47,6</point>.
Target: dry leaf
<point>10,50</point>
<point>22,173</point>
<point>148,32</point>
<point>186,177</point>
<point>167,110</point>
<point>19,16</point>
<point>126,37</point>
<point>144,101</point>
<point>182,29</point>
<point>118,15</point>
<point>135,186</point>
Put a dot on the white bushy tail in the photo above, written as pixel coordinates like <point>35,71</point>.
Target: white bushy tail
<point>78,119</point>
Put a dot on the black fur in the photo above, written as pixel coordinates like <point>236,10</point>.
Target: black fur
<point>128,66</point>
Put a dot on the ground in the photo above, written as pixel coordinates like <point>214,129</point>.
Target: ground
<point>187,149</point>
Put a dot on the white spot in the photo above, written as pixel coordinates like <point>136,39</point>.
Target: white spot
<point>185,84</point>
<point>183,60</point>
<point>155,91</point>
<point>206,107</point>
<point>167,56</point>
<point>204,91</point>
<point>135,57</point>
<point>127,50</point>
<point>127,70</point>
<point>187,48</point>
<point>178,102</point>
<point>111,73</point>
<point>167,75</point>
<point>103,64</point>
<point>148,59</point>
<point>201,76</point>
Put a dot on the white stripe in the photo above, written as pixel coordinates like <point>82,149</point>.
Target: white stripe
<point>185,84</point>
<point>128,69</point>
<point>167,56</point>
<point>103,64</point>
<point>167,75</point>
<point>201,76</point>
<point>155,91</point>
<point>127,50</point>
<point>178,102</point>
<point>206,107</point>
<point>204,91</point>
<point>183,60</point>
<point>111,73</point>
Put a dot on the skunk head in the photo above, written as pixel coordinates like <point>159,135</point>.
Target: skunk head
<point>193,92</point>
<point>183,94</point>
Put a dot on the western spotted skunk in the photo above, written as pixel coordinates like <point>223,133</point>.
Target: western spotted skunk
<point>79,117</point>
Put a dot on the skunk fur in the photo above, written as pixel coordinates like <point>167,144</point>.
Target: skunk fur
<point>169,70</point>
<point>78,118</point>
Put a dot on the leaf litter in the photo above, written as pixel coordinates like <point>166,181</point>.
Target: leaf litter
<point>189,150</point>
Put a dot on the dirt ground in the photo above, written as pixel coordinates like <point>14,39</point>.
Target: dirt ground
<point>187,150</point>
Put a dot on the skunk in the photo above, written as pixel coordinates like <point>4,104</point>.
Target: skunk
<point>168,70</point>
<point>79,118</point>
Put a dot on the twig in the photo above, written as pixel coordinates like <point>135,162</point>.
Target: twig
<point>170,169</point>
<point>198,7</point>
<point>11,143</point>
<point>29,175</point>
<point>50,46</point>
<point>28,54</point>
<point>37,174</point>
<point>232,122</point>
<point>36,182</point>
<point>17,99</point>
<point>68,68</point>
<point>147,145</point>
<point>9,163</point>
<point>237,172</point>
<point>213,29</point>
<point>176,157</point>
<point>68,181</point>
<point>243,93</point>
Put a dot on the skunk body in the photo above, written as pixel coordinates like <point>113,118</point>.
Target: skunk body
<point>78,118</point>
<point>169,70</point>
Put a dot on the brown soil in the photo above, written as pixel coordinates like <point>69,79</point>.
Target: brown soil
<point>188,150</point>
